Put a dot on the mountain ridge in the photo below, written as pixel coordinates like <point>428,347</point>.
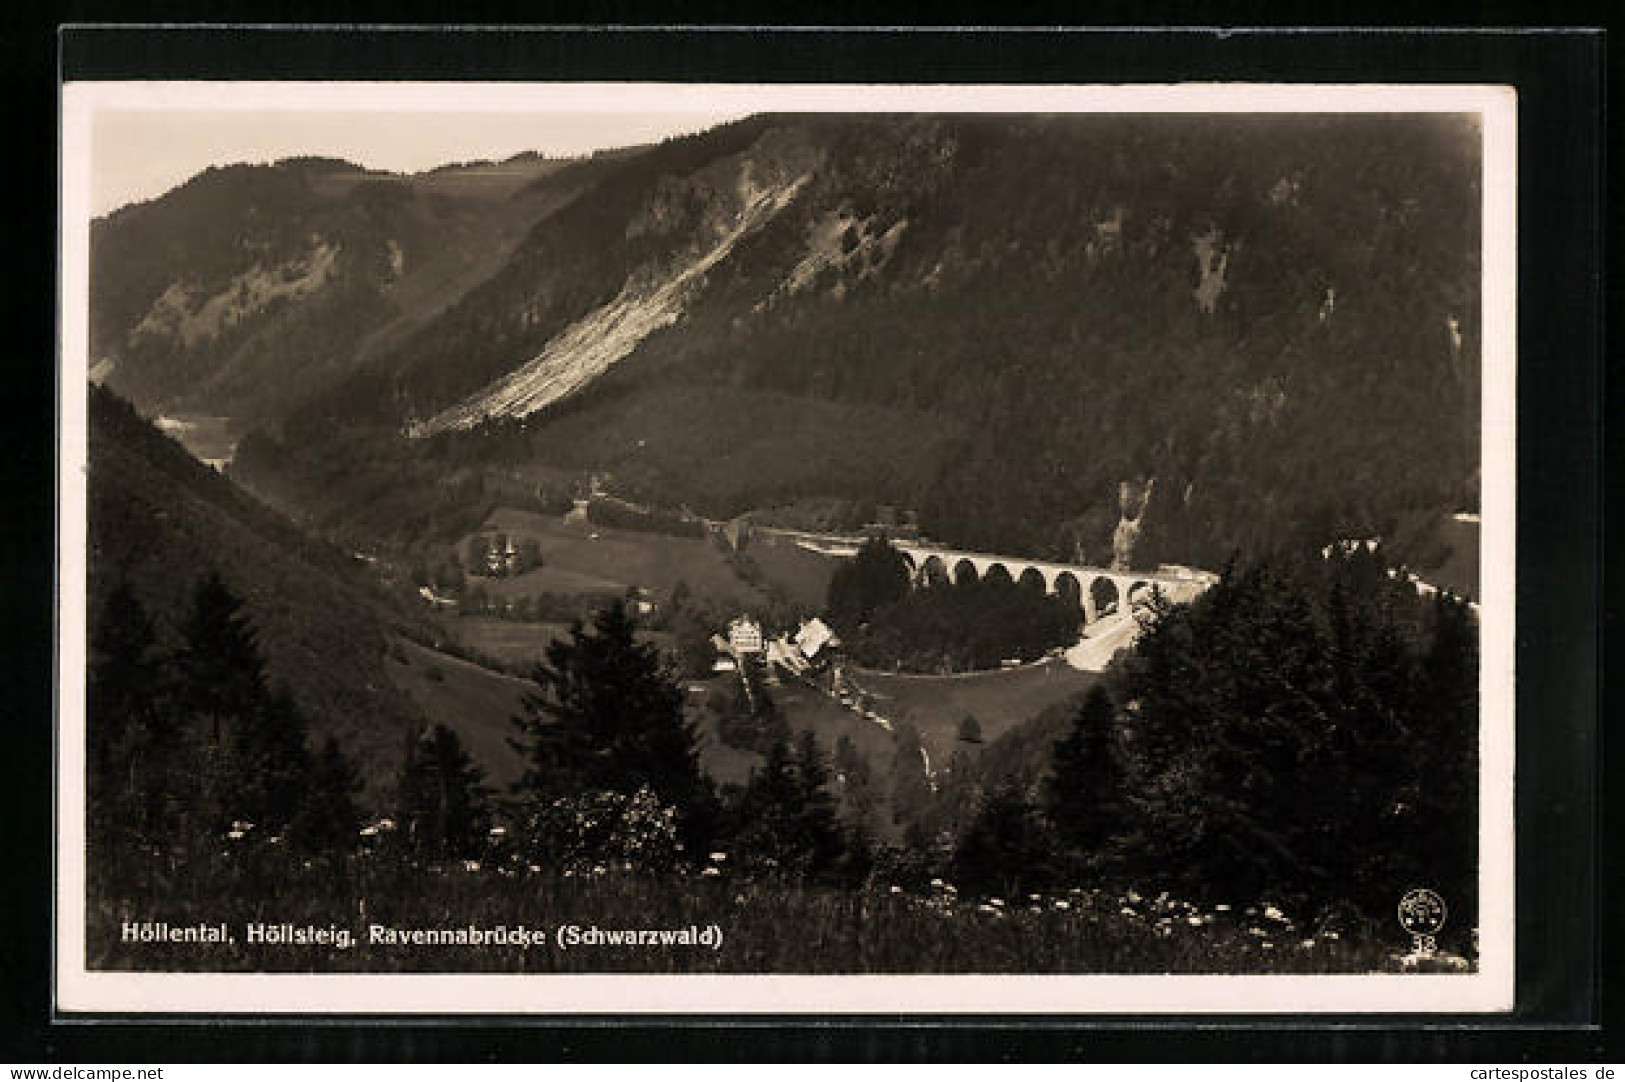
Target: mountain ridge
<point>1273,317</point>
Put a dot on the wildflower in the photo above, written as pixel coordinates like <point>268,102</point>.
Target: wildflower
<point>1127,912</point>
<point>895,889</point>
<point>241,826</point>
<point>718,858</point>
<point>1308,945</point>
<point>369,832</point>
<point>1331,935</point>
<point>1221,908</point>
<point>386,825</point>
<point>710,871</point>
<point>497,832</point>
<point>1271,913</point>
<point>1035,897</point>
<point>951,889</point>
<point>234,835</point>
<point>1133,898</point>
<point>1063,905</point>
<point>997,903</point>
<point>533,868</point>
<point>937,883</point>
<point>1194,922</point>
<point>985,908</point>
<point>1267,945</point>
<point>471,865</point>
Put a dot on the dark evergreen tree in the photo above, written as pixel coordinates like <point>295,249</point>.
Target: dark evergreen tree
<point>267,764</point>
<point>1006,851</point>
<point>876,576</point>
<point>129,735</point>
<point>328,818</point>
<point>1081,790</point>
<point>444,802</point>
<point>1288,736</point>
<point>786,821</point>
<point>223,675</point>
<point>609,716</point>
<point>224,699</point>
<point>910,788</point>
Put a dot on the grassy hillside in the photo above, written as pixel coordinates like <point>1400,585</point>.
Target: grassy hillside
<point>160,521</point>
<point>474,702</point>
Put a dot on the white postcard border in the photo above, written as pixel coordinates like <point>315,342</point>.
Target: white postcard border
<point>1488,990</point>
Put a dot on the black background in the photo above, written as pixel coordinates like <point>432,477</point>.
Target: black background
<point>1563,919</point>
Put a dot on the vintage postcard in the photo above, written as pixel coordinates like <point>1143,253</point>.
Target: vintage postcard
<point>627,548</point>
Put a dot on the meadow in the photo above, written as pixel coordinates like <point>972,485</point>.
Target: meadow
<point>766,926</point>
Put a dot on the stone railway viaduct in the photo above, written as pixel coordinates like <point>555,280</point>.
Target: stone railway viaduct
<point>1094,588</point>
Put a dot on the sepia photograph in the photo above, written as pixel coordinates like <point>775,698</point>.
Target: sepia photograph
<point>578,548</point>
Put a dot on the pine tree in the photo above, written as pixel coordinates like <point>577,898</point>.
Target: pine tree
<point>1006,851</point>
<point>910,788</point>
<point>328,817</point>
<point>443,796</point>
<point>129,737</point>
<point>223,694</point>
<point>786,815</point>
<point>609,716</point>
<point>876,576</point>
<point>220,664</point>
<point>1080,793</point>
<point>267,764</point>
<point>817,828</point>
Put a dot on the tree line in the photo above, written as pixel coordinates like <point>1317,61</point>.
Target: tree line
<point>944,626</point>
<point>1304,732</point>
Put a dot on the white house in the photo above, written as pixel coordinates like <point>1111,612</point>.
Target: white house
<point>745,636</point>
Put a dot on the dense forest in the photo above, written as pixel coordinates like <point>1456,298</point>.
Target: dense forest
<point>945,626</point>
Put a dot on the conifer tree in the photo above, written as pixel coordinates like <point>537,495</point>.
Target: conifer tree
<point>786,814</point>
<point>1006,851</point>
<point>128,733</point>
<point>1080,792</point>
<point>609,716</point>
<point>328,817</point>
<point>443,796</point>
<point>876,576</point>
<point>220,664</point>
<point>267,765</point>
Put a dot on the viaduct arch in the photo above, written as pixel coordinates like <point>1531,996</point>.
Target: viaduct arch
<point>1095,589</point>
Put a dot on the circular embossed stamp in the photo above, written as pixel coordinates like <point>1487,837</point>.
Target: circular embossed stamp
<point>1422,913</point>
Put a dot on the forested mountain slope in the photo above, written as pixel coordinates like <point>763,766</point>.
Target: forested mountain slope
<point>1014,327</point>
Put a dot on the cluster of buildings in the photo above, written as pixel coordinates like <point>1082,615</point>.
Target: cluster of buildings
<point>810,647</point>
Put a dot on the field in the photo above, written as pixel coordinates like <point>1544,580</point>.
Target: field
<point>803,709</point>
<point>587,558</point>
<point>935,705</point>
<point>474,702</point>
<point>511,642</point>
<point>803,576</point>
<point>765,926</point>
